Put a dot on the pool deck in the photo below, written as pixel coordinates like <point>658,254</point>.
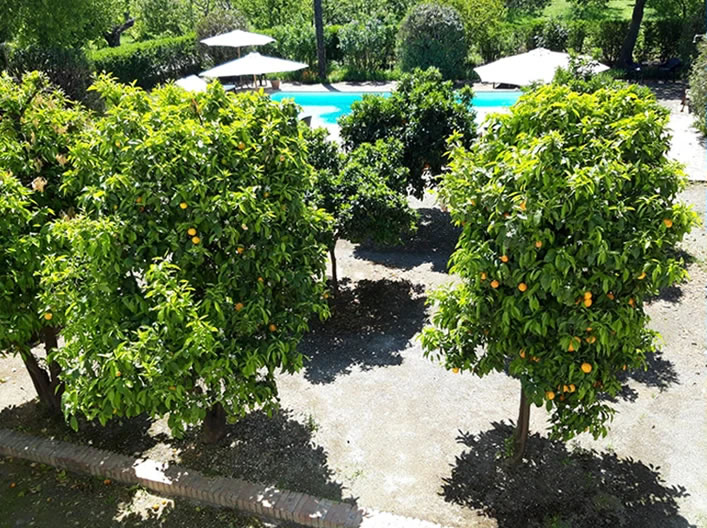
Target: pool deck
<point>369,86</point>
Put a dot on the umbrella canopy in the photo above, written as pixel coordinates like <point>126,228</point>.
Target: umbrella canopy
<point>538,65</point>
<point>192,84</point>
<point>253,64</point>
<point>238,39</point>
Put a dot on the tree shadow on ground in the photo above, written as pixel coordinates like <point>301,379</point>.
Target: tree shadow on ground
<point>371,323</point>
<point>276,450</point>
<point>660,374</point>
<point>433,242</point>
<point>129,436</point>
<point>558,487</point>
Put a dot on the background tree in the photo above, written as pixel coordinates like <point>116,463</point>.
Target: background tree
<point>319,31</point>
<point>192,276</point>
<point>422,112</point>
<point>482,20</point>
<point>37,127</point>
<point>361,190</point>
<point>570,224</point>
<point>432,35</point>
<point>216,22</point>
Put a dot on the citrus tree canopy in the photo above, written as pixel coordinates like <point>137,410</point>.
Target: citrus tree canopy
<point>570,223</point>
<point>197,264</point>
<point>37,128</point>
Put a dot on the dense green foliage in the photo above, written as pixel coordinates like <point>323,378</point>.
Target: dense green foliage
<point>570,224</point>
<point>368,44</point>
<point>698,88</point>
<point>215,23</point>
<point>150,63</point>
<point>196,264</point>
<point>422,112</point>
<point>37,128</point>
<point>432,35</point>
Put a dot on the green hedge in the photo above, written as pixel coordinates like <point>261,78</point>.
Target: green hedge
<point>151,62</point>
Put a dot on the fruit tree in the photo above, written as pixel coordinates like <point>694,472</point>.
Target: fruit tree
<point>196,264</point>
<point>38,125</point>
<point>570,223</point>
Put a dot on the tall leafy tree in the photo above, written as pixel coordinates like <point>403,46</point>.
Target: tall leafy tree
<point>197,264</point>
<point>570,224</point>
<point>319,31</point>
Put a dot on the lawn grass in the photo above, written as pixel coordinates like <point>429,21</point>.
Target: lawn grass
<point>620,9</point>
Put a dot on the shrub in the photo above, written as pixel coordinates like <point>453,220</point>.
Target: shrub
<point>196,265</point>
<point>698,88</point>
<point>568,229</point>
<point>367,44</point>
<point>157,19</point>
<point>150,63</point>
<point>422,111</point>
<point>433,36</point>
<point>38,126</point>
<point>69,69</point>
<point>609,38</point>
<point>216,22</point>
<point>553,36</point>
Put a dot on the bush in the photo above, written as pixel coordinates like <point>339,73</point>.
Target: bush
<point>215,23</point>
<point>367,44</point>
<point>554,35</point>
<point>433,36</point>
<point>150,63</point>
<point>196,265</point>
<point>698,88</point>
<point>422,111</point>
<point>157,19</point>
<point>568,231</point>
<point>609,38</point>
<point>69,69</point>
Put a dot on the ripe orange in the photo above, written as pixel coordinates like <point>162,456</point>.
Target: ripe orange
<point>642,276</point>
<point>668,222</point>
<point>260,279</point>
<point>239,307</point>
<point>326,295</point>
<point>138,199</point>
<point>589,329</point>
<point>106,482</point>
<point>572,387</point>
<point>191,231</point>
<point>195,240</point>
<point>118,374</point>
<point>536,359</point>
<point>494,284</point>
<point>610,296</point>
<point>574,340</point>
<point>12,484</point>
<point>455,370</point>
<point>522,353</point>
<point>266,194</point>
<point>631,302</point>
<point>48,316</point>
<point>183,205</point>
<point>506,215</point>
<point>504,258</point>
<point>272,327</point>
<point>522,286</point>
<point>586,368</point>
<point>565,388</point>
<point>240,250</point>
<point>473,202</point>
<point>587,295</point>
<point>624,367</point>
<point>483,275</point>
<point>241,146</point>
<point>538,244</point>
<point>587,302</point>
<point>523,206</point>
<point>550,395</point>
<point>591,340</point>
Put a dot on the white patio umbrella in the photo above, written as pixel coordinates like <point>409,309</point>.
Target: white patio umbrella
<point>192,83</point>
<point>538,65</point>
<point>238,39</point>
<point>253,64</point>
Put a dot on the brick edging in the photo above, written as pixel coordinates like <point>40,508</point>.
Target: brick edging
<point>174,480</point>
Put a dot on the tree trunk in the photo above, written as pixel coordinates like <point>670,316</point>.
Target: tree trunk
<point>113,36</point>
<point>45,383</point>
<point>214,427</point>
<point>520,435</point>
<point>319,29</point>
<point>626,56</point>
<point>334,277</point>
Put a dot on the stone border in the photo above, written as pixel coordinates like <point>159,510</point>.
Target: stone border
<point>174,480</point>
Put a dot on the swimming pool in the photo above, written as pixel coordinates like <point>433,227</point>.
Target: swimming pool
<point>327,107</point>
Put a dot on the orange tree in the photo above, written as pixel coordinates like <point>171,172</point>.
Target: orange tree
<point>196,265</point>
<point>362,190</point>
<point>570,222</point>
<point>37,127</point>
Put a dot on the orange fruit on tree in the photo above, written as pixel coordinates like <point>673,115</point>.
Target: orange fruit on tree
<point>536,359</point>
<point>241,146</point>
<point>118,374</point>
<point>240,250</point>
<point>48,316</point>
<point>572,387</point>
<point>12,484</point>
<point>522,206</point>
<point>106,482</point>
<point>591,340</point>
<point>473,202</point>
<point>631,302</point>
<point>455,370</point>
<point>589,329</point>
<point>587,295</point>
<point>195,240</point>
<point>550,395</point>
<point>587,302</point>
<point>522,286</point>
<point>191,231</point>
<point>494,284</point>
<point>504,258</point>
<point>522,353</point>
<point>260,279</point>
<point>565,388</point>
<point>624,367</point>
<point>610,296</point>
<point>586,368</point>
<point>642,276</point>
<point>538,244</point>
<point>138,199</point>
<point>483,275</point>
<point>272,327</point>
<point>183,205</point>
<point>172,388</point>
<point>668,222</point>
<point>239,307</point>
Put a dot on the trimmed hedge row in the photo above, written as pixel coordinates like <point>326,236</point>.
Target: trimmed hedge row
<point>151,62</point>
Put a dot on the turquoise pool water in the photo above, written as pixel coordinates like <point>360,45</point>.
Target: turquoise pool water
<point>327,107</point>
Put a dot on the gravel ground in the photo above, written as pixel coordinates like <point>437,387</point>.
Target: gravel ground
<point>369,420</point>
